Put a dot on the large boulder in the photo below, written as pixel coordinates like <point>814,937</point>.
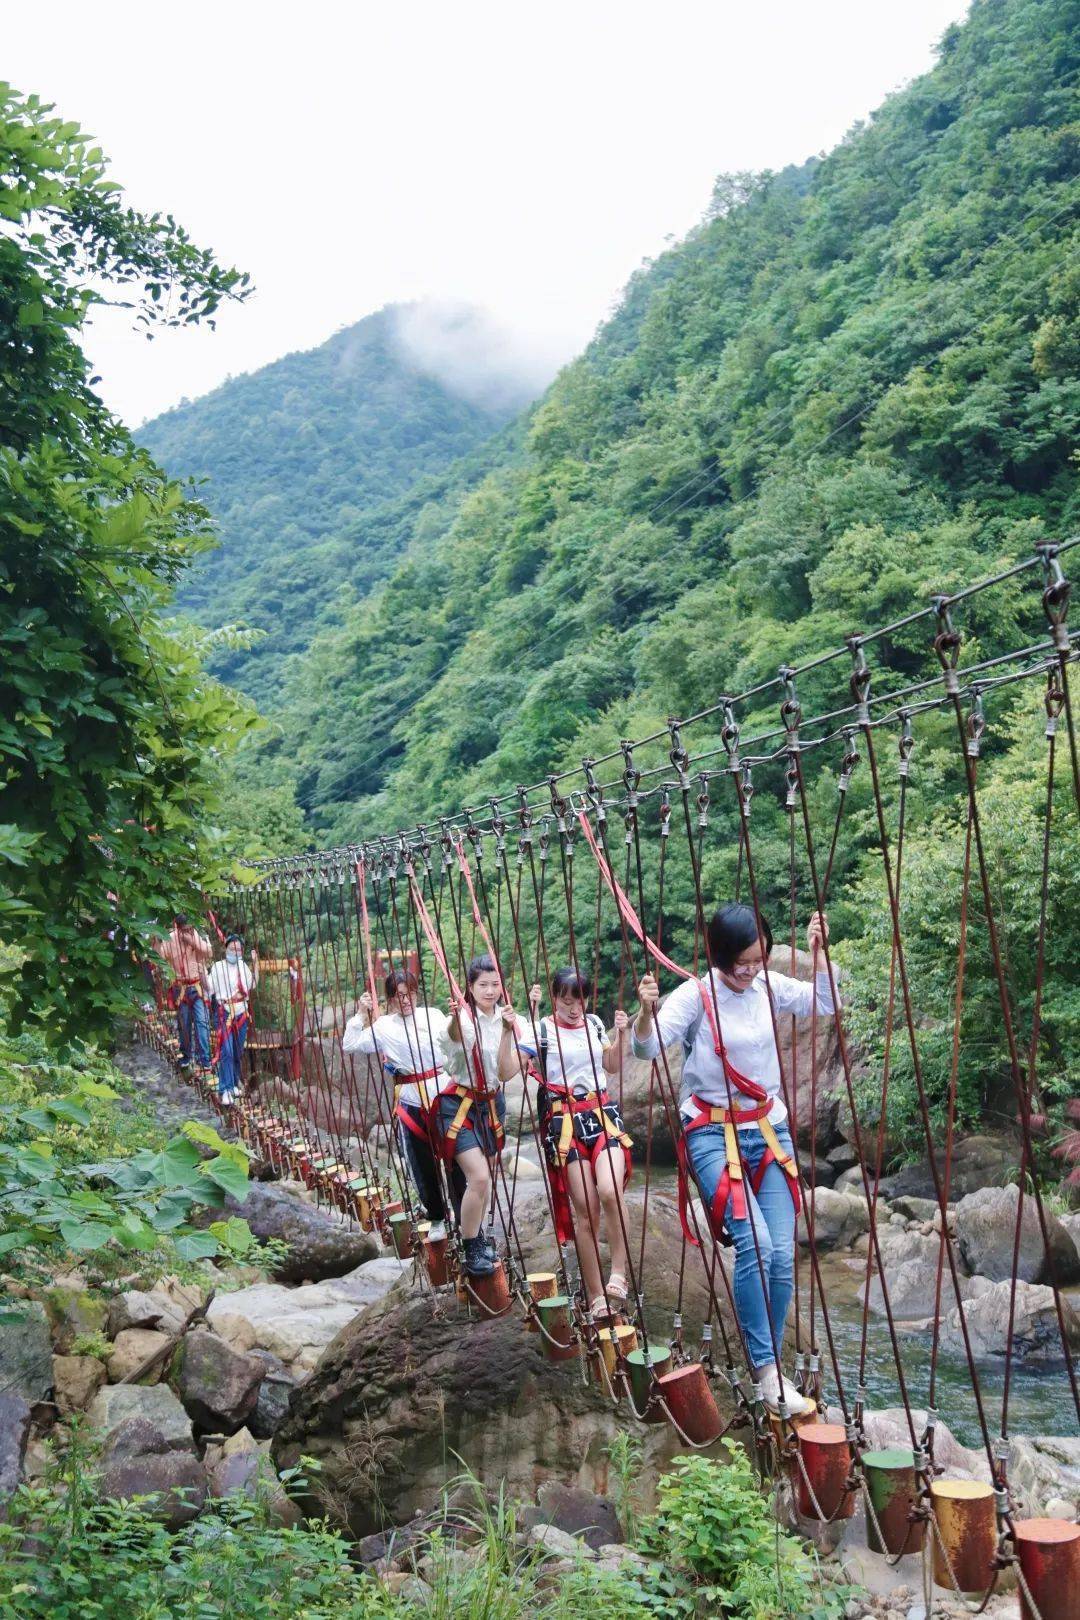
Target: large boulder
<point>1043,1469</point>
<point>410,1384</point>
<point>839,1219</point>
<point>155,1403</point>
<point>319,1243</point>
<point>977,1161</point>
<point>14,1434</point>
<point>986,1233</point>
<point>296,1324</point>
<point>139,1460</point>
<point>275,1393</point>
<point>1036,1333</point>
<point>25,1350</point>
<point>576,1512</point>
<point>217,1384</point>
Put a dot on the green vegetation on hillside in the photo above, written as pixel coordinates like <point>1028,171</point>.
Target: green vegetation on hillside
<point>302,459</point>
<point>853,385</point>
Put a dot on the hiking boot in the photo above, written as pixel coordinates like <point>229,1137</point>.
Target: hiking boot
<point>478,1261</point>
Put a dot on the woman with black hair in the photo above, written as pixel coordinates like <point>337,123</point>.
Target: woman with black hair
<point>586,1148</point>
<point>479,1047</point>
<point>734,1119</point>
<point>405,1039</point>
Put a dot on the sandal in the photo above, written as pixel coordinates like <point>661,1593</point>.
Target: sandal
<point>617,1287</point>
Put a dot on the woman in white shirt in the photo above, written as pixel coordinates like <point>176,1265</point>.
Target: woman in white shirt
<point>406,1038</point>
<point>586,1148</point>
<point>231,984</point>
<point>480,1047</point>
<point>736,1138</point>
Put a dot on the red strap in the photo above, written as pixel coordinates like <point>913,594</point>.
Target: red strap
<point>402,1113</point>
<point>408,1079</point>
<point>769,1157</point>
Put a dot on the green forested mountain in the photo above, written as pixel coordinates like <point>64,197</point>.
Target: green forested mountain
<point>300,456</point>
<point>849,385</point>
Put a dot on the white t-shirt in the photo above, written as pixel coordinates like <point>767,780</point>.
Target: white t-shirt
<point>746,1027</point>
<point>231,979</point>
<point>575,1055</point>
<point>406,1046</point>
<point>458,1055</point>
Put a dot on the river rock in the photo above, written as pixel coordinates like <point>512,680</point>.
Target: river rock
<point>978,1161</point>
<point>133,1346</point>
<point>986,1233</point>
<point>139,1460</point>
<point>235,1330</point>
<point>916,1209</point>
<point>1036,1327</point>
<point>76,1380</point>
<point>155,1403</point>
<point>410,1383</point>
<point>166,1306</point>
<point>838,1219</point>
<point>25,1351</point>
<point>912,1285</point>
<point>14,1434</point>
<point>888,1427</point>
<point>250,1473</point>
<point>1043,1468</point>
<point>321,1243</point>
<point>296,1324</point>
<point>274,1395</point>
<point>217,1384</point>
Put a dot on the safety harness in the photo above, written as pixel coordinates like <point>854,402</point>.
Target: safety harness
<point>731,1183</point>
<point>562,1104</point>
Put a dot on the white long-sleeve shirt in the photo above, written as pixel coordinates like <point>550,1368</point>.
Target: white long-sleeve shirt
<point>406,1046</point>
<point>575,1055</point>
<point>746,1028</point>
<point>457,1055</point>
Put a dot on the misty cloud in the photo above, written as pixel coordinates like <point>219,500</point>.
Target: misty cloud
<point>475,355</point>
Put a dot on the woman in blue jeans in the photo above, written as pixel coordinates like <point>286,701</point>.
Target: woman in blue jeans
<point>736,1139</point>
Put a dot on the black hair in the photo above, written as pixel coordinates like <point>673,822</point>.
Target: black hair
<point>569,978</point>
<point>181,919</point>
<point>396,980</point>
<point>229,938</point>
<point>732,930</point>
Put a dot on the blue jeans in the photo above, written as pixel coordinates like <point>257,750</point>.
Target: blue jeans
<point>193,1018</point>
<point>772,1212</point>
<point>230,1056</point>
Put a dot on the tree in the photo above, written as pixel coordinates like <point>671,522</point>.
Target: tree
<point>111,733</point>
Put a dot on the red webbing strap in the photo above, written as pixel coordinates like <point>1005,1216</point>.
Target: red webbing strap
<point>365,929</point>
<point>402,1113</point>
<point>215,925</point>
<point>749,1088</point>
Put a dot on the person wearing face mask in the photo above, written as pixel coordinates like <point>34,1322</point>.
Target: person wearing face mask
<point>586,1149</point>
<point>231,984</point>
<point>406,1040</point>
<point>736,1140</point>
<point>480,1046</point>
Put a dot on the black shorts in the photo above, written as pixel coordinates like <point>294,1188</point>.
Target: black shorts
<point>590,1128</point>
<point>477,1130</point>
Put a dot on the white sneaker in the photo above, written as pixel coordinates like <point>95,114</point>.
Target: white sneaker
<point>770,1382</point>
<point>438,1231</point>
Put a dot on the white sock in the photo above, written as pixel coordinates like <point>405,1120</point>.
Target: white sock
<point>438,1230</point>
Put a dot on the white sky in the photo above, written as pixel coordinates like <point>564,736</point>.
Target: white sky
<point>522,157</point>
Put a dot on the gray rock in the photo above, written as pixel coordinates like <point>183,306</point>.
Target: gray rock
<point>134,1346</point>
<point>25,1350</point>
<point>986,1233</point>
<point>557,1543</point>
<point>275,1392</point>
<point>217,1384</point>
<point>912,1285</point>
<point>320,1243</point>
<point>116,1403</point>
<point>842,1157</point>
<point>14,1433</point>
<point>1036,1333</point>
<point>824,1173</point>
<point>137,1309</point>
<point>838,1219</point>
<point>916,1209</point>
<point>140,1461</point>
<point>577,1512</point>
<point>1045,1468</point>
<point>251,1474</point>
<point>978,1161</point>
<point>296,1324</point>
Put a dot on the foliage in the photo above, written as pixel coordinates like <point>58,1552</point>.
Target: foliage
<point>84,1170</point>
<point>713,1523</point>
<point>304,460</point>
<point>111,732</point>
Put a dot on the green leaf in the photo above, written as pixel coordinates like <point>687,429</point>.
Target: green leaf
<point>85,1236</point>
<point>196,1246</point>
<point>228,1175</point>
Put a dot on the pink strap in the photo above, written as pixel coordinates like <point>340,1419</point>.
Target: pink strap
<point>626,909</point>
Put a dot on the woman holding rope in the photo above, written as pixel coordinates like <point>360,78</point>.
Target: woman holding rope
<point>404,1038</point>
<point>480,1047</point>
<point>734,1120</point>
<point>586,1148</point>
